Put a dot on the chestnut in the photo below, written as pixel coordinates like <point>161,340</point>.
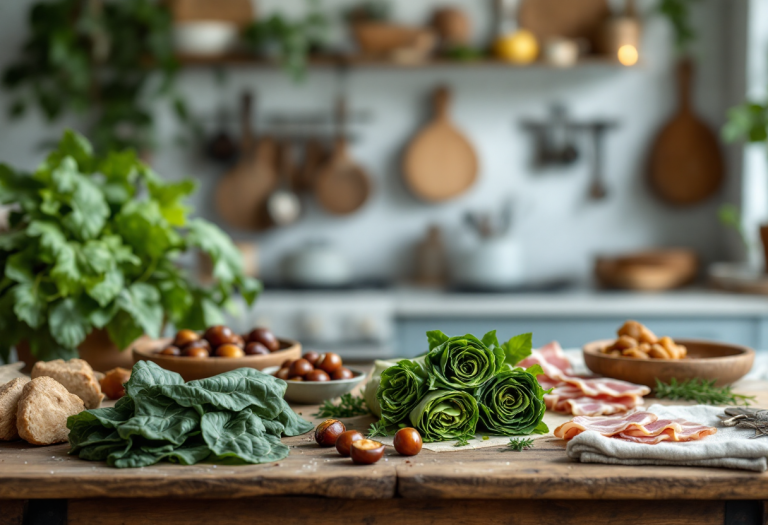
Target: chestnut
<point>238,340</point>
<point>328,432</point>
<point>257,349</point>
<point>345,441</point>
<point>113,381</point>
<point>312,357</point>
<point>219,335</point>
<point>200,343</point>
<point>184,337</point>
<point>317,375</point>
<point>300,367</point>
<point>195,351</point>
<point>329,362</point>
<point>408,441</point>
<point>366,451</point>
<point>342,373</point>
<point>229,350</point>
<point>295,378</point>
<point>170,350</point>
<point>265,337</point>
<point>287,363</point>
<point>282,374</point>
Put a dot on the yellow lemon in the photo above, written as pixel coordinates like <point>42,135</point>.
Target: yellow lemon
<point>520,47</point>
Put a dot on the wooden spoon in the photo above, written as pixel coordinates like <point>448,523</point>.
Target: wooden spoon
<point>686,165</point>
<point>242,193</point>
<point>440,163</point>
<point>342,186</point>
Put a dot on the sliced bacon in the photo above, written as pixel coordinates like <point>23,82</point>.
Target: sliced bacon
<point>638,427</point>
<point>578,395</point>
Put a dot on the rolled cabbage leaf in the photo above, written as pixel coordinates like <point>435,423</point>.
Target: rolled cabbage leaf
<point>401,388</point>
<point>512,403</point>
<point>445,414</point>
<point>462,362</point>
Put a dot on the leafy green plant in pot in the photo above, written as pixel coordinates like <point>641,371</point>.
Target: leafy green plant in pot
<point>92,249</point>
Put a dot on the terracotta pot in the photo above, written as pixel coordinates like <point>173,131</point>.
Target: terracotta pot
<point>97,349</point>
<point>764,239</point>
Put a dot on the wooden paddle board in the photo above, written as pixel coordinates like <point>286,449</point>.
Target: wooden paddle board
<point>686,164</point>
<point>440,162</point>
<point>242,193</point>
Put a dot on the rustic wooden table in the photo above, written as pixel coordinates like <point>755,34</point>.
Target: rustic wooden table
<point>314,485</point>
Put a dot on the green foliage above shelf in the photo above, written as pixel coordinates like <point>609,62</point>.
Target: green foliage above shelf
<point>106,61</point>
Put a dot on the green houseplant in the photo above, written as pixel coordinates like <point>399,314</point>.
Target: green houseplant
<point>104,61</point>
<point>93,244</point>
<point>747,122</point>
<point>290,41</point>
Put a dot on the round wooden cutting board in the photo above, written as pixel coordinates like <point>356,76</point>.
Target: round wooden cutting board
<point>440,162</point>
<point>686,165</point>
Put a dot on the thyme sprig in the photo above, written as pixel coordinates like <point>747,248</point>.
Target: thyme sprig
<point>701,391</point>
<point>464,440</point>
<point>349,406</point>
<point>378,429</point>
<point>519,444</point>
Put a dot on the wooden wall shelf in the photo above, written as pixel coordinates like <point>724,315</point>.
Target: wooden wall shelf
<point>352,62</point>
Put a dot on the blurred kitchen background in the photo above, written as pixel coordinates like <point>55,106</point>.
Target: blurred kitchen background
<point>524,210</point>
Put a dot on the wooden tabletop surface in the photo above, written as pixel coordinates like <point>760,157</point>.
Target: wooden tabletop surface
<point>543,472</point>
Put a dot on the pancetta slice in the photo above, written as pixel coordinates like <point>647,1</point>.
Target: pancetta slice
<point>638,427</point>
<point>577,395</point>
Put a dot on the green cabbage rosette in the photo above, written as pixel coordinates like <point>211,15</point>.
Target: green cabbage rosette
<point>462,362</point>
<point>444,415</point>
<point>512,403</point>
<point>372,386</point>
<point>401,388</point>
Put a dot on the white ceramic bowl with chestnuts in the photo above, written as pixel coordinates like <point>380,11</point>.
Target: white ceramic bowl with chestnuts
<point>315,377</point>
<point>218,349</point>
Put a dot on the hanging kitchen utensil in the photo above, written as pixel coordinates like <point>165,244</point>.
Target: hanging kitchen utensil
<point>221,147</point>
<point>283,204</point>
<point>576,19</point>
<point>342,186</point>
<point>242,193</point>
<point>597,189</point>
<point>440,162</point>
<point>315,155</point>
<point>686,165</point>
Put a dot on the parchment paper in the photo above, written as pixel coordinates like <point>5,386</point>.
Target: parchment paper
<point>552,419</point>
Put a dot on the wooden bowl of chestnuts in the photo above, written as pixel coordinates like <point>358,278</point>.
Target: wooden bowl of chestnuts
<point>218,349</point>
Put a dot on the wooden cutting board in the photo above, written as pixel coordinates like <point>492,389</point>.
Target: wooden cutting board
<point>342,186</point>
<point>686,164</point>
<point>242,193</point>
<point>440,163</point>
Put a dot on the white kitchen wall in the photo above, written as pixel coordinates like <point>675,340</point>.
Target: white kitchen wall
<point>559,228</point>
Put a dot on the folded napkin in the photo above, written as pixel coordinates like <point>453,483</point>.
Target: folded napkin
<point>730,447</point>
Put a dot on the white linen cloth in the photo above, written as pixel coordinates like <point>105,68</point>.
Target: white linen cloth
<point>730,447</point>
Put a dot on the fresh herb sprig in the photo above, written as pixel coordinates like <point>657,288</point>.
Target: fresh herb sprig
<point>349,406</point>
<point>464,440</point>
<point>378,429</point>
<point>519,444</point>
<point>701,391</point>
